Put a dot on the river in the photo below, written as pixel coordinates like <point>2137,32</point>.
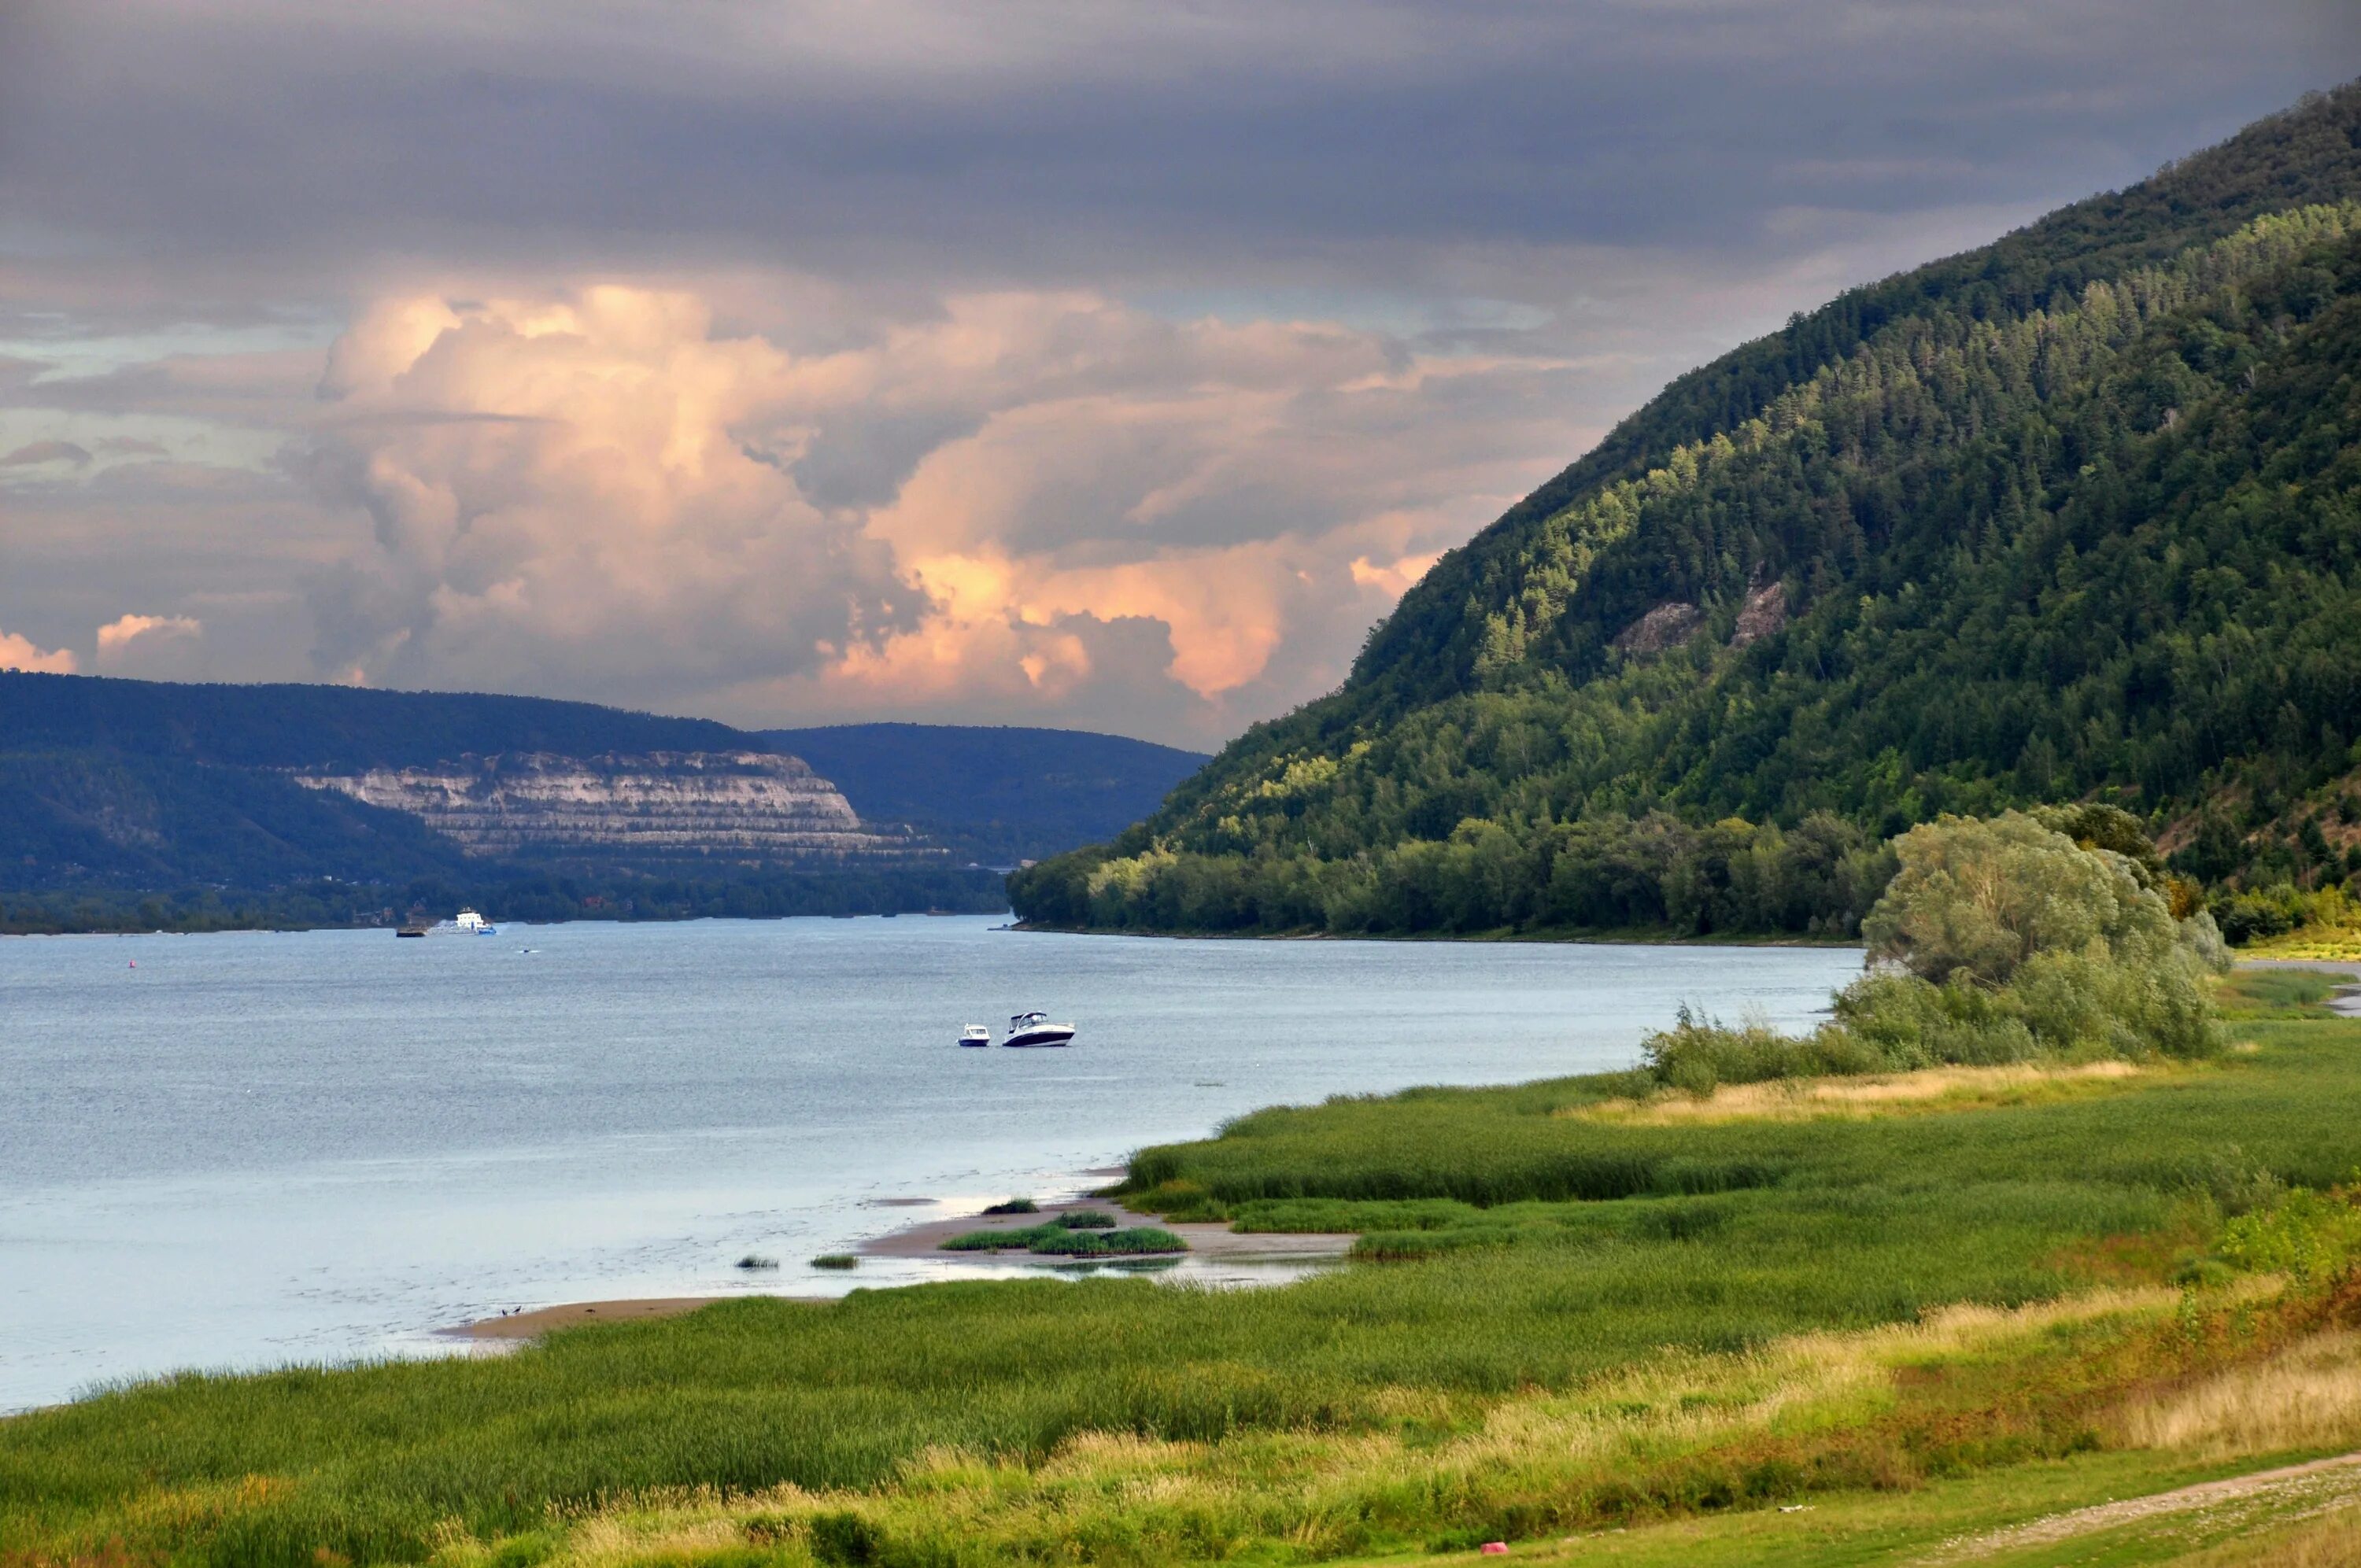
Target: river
<point>249,1149</point>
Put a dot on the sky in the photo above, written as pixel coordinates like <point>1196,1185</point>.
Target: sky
<point>1084,362</point>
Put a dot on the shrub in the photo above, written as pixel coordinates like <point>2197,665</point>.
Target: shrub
<point>1695,1057</point>
<point>2261,912</point>
<point>836,1260</point>
<point>2004,941</point>
<point>1014,1206</point>
<point>845,1537</point>
<point>2202,937</point>
<point>1087,1219</point>
<point>1983,895</point>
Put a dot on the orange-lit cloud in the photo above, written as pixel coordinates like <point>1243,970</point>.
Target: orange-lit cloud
<point>21,653</point>
<point>1013,505</point>
<point>119,634</point>
<point>155,646</point>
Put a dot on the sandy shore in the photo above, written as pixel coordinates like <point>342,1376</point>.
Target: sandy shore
<point>541,1320</point>
<point>1214,1242</point>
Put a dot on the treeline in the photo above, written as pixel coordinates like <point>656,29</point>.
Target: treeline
<point>1608,872</point>
<point>528,898</point>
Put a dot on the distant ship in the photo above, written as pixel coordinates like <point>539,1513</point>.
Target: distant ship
<point>467,923</point>
<point>975,1034</point>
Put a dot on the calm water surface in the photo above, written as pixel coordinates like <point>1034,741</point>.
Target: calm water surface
<point>247,1149</point>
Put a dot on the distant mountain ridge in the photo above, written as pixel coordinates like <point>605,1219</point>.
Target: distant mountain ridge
<point>998,794</point>
<point>2075,516</point>
<point>327,728</point>
<point>115,790</point>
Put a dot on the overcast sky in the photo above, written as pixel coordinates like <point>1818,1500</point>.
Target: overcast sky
<point>1095,364</point>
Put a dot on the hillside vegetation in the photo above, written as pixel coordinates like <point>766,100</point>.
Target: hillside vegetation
<point>2073,517</point>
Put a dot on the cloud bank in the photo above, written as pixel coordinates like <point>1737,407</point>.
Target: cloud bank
<point>1039,501</point>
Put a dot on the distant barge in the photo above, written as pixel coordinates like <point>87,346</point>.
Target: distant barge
<point>468,924</point>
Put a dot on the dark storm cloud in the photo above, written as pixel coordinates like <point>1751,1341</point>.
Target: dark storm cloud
<point>1063,141</point>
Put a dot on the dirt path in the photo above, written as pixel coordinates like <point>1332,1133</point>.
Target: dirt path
<point>2274,1497</point>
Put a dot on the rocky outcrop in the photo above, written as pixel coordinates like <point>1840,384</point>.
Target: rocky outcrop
<point>1660,629</point>
<point>1764,614</point>
<point>659,805</point>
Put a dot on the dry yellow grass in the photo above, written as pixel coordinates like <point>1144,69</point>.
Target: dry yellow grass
<point>1097,1485</point>
<point>2306,1397</point>
<point>1933,1089</point>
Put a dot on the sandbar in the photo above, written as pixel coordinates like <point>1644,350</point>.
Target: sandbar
<point>1214,1241</point>
<point>541,1320</point>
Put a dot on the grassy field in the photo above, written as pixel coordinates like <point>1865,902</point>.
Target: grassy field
<point>1920,1311</point>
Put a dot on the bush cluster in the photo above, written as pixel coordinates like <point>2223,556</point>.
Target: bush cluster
<point>1999,941</point>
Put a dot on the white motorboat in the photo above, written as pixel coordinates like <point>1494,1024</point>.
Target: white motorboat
<point>975,1034</point>
<point>470,924</point>
<point>1036,1029</point>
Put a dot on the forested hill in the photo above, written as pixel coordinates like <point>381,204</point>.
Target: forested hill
<point>140,804</point>
<point>2075,516</point>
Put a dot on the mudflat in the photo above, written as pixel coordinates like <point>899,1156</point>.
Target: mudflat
<point>541,1320</point>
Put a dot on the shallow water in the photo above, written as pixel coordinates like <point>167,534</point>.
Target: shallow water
<point>247,1149</point>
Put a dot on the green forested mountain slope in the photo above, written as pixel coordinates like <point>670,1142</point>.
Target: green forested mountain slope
<point>2075,516</point>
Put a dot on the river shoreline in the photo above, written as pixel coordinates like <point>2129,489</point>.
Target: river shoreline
<point>1213,1243</point>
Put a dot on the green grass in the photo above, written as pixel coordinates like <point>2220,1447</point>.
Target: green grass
<point>1579,1249</point>
<point>2282,993</point>
<point>1072,1235</point>
<point>836,1260</point>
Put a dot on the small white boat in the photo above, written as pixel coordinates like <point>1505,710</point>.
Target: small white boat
<point>975,1034</point>
<point>1035,1029</point>
<point>470,924</point>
